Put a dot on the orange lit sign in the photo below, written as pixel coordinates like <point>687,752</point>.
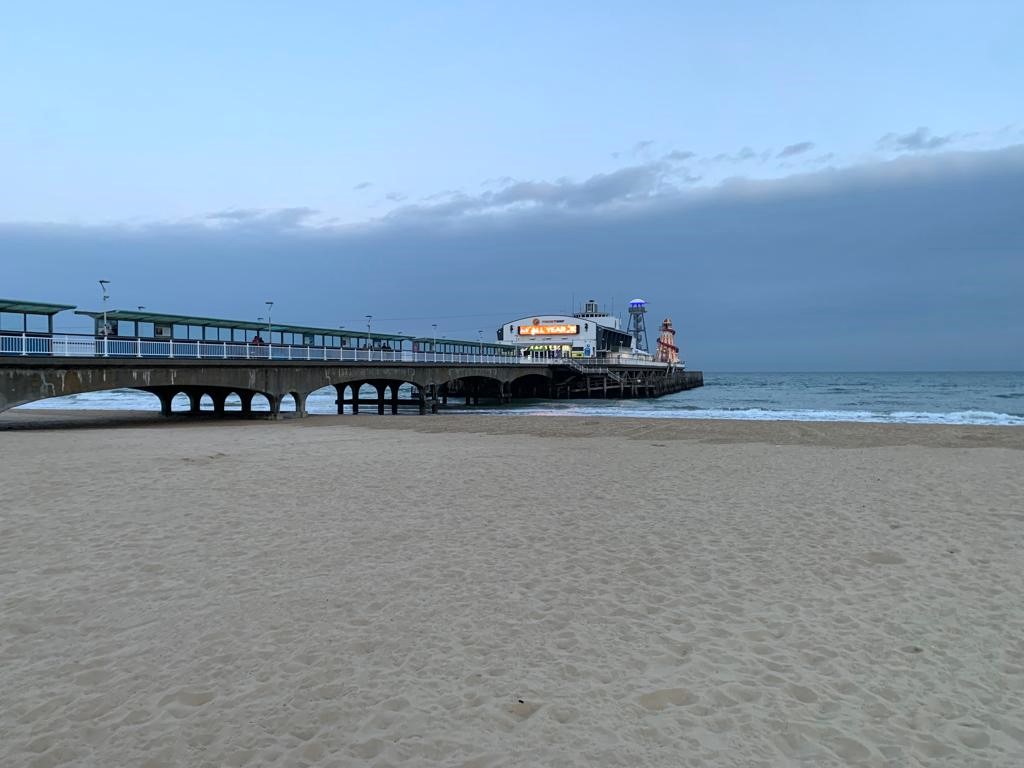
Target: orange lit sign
<point>548,330</point>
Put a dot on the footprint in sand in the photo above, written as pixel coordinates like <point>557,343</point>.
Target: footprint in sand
<point>885,558</point>
<point>659,700</point>
<point>523,709</point>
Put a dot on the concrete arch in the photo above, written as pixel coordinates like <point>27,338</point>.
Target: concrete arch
<point>530,385</point>
<point>386,394</point>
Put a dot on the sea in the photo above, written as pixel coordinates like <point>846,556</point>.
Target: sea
<point>894,398</point>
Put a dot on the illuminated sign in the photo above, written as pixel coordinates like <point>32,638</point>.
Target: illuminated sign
<point>548,330</point>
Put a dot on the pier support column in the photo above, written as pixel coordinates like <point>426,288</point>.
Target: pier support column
<point>275,407</point>
<point>394,399</point>
<point>340,399</point>
<point>380,399</point>
<point>421,395</point>
<point>194,398</point>
<point>355,397</point>
<point>300,404</point>
<point>165,403</point>
<point>246,398</point>
<point>219,400</point>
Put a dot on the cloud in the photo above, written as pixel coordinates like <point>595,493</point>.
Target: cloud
<point>742,156</point>
<point>796,149</point>
<point>395,197</point>
<point>283,218</point>
<point>915,141</point>
<point>642,146</point>
<point>836,269</point>
<point>623,186</point>
<point>362,185</point>
<point>679,156</point>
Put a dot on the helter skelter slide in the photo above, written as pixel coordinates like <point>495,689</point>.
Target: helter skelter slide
<point>667,351</point>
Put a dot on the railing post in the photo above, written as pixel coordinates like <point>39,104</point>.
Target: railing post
<point>170,346</point>
<point>224,344</point>
<point>138,347</point>
<point>105,346</point>
<point>24,345</point>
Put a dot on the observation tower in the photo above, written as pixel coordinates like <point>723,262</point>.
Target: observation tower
<point>637,325</point>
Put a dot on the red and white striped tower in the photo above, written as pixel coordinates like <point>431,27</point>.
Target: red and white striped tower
<point>667,351</point>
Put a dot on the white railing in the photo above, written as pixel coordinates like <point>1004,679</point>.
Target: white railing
<point>69,345</point>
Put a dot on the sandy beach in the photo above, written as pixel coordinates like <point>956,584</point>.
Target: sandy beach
<point>508,591</point>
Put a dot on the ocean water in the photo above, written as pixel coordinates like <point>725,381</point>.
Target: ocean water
<point>908,398</point>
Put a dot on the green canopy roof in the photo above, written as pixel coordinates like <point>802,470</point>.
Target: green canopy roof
<point>32,307</point>
<point>143,316</point>
<point>242,325</point>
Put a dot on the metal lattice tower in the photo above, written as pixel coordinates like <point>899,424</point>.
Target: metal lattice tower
<point>637,324</point>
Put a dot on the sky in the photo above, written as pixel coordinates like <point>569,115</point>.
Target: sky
<point>800,186</point>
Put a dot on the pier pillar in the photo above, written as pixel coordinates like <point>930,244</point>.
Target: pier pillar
<point>421,395</point>
<point>394,399</point>
<point>275,406</point>
<point>194,398</point>
<point>246,398</point>
<point>300,403</point>
<point>165,403</point>
<point>355,397</point>
<point>340,399</point>
<point>219,401</point>
<point>380,399</point>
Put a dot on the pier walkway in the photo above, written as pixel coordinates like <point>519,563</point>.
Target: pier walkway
<point>39,366</point>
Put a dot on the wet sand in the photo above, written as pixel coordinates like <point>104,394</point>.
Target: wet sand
<point>508,591</point>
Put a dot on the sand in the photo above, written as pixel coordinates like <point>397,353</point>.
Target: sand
<point>509,591</point>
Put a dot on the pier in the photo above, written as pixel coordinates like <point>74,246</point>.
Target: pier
<point>221,358</point>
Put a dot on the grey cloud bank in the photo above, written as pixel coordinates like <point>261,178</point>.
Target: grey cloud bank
<point>914,264</point>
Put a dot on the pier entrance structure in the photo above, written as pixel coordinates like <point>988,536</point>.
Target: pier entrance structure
<point>198,357</point>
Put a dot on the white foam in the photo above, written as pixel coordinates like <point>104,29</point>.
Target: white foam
<point>324,404</point>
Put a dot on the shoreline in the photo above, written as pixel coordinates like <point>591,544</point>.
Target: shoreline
<point>727,431</point>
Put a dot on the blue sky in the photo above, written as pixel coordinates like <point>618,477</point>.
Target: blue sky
<point>434,126</point>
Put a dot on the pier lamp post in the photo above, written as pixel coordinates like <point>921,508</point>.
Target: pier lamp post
<point>480,341</point>
<point>433,346</point>
<point>106,296</point>
<point>369,320</point>
<point>270,328</point>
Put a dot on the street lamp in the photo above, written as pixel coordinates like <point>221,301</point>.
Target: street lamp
<point>480,339</point>
<point>434,345</point>
<point>270,329</point>
<point>369,319</point>
<point>106,295</point>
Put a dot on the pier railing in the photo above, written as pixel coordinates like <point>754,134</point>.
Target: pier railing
<point>71,345</point>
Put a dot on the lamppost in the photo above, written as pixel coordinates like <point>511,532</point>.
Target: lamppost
<point>434,345</point>
<point>106,296</point>
<point>270,328</point>
<point>480,340</point>
<point>369,319</point>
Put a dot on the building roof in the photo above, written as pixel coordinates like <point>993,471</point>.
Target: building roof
<point>217,322</point>
<point>143,316</point>
<point>32,307</point>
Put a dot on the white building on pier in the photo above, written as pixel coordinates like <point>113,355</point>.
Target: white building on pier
<point>590,333</point>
